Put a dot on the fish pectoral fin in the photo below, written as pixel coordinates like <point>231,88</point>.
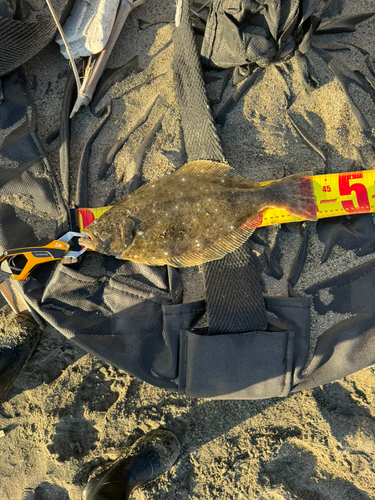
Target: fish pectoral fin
<point>216,251</point>
<point>129,230</point>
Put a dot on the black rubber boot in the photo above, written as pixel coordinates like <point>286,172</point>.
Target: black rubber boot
<point>18,340</point>
<point>149,457</point>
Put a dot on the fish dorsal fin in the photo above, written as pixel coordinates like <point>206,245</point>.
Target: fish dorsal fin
<point>204,167</point>
<point>215,169</point>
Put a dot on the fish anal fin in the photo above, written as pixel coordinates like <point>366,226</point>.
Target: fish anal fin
<point>216,251</point>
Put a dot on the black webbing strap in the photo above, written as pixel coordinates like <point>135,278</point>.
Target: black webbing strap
<point>200,135</point>
<point>234,295</point>
<point>235,301</point>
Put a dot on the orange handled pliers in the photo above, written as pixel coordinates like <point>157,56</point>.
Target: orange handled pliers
<point>21,261</point>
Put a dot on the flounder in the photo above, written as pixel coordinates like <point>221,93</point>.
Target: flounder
<point>197,214</point>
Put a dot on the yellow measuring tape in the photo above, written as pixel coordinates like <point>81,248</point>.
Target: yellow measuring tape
<point>336,194</point>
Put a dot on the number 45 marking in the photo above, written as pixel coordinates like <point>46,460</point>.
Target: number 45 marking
<point>348,184</point>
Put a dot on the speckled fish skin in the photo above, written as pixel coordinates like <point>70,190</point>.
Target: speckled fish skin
<point>197,214</point>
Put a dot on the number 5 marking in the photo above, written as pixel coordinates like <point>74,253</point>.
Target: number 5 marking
<point>346,189</point>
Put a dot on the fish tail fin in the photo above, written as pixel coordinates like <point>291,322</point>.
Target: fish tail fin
<point>295,194</point>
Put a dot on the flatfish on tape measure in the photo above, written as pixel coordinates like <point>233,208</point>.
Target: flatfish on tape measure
<point>336,194</point>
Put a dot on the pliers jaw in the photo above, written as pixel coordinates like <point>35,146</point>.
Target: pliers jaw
<point>67,238</point>
<point>21,261</point>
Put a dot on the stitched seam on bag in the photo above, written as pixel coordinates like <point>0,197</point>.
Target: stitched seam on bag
<point>297,307</point>
<point>351,280</point>
<point>81,278</point>
<point>186,312</point>
<point>89,279</point>
<point>130,294</point>
<point>244,333</point>
<point>148,299</point>
<point>132,282</point>
<point>286,351</point>
<point>134,295</point>
<point>50,181</point>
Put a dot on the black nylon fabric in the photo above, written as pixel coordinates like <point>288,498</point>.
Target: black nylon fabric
<point>249,365</point>
<point>349,345</point>
<point>119,311</point>
<point>21,39</point>
<point>255,33</point>
<point>24,172</point>
<point>293,314</point>
<point>351,232</point>
<point>248,35</point>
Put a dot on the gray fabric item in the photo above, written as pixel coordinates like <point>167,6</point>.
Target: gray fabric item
<point>287,313</point>
<point>349,345</point>
<point>249,365</point>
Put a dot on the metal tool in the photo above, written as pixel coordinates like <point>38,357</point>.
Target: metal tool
<point>17,263</point>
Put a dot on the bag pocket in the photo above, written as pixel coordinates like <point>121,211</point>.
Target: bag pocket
<point>254,365</point>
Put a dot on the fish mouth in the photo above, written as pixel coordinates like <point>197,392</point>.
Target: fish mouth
<point>91,243</point>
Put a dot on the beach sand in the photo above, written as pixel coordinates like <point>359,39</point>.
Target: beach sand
<point>69,412</point>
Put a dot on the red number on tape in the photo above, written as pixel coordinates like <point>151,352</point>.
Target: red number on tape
<point>346,188</point>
